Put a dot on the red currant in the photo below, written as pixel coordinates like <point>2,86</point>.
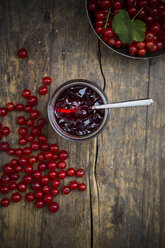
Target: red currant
<point>4,189</point>
<point>14,176</point>
<point>73,185</point>
<point>28,179</point>
<point>13,185</point>
<point>46,189</point>
<point>23,131</point>
<point>5,178</point>
<point>63,155</point>
<point>55,183</point>
<point>61,174</point>
<point>66,190</point>
<point>11,151</point>
<point>8,169</point>
<point>141,52</point>
<point>132,50</point>
<point>32,159</point>
<point>51,165</point>
<point>21,186</point>
<point>27,151</point>
<point>22,53</point>
<point>61,164</point>
<point>45,180</point>
<point>32,100</point>
<point>35,146</point>
<point>41,156</point>
<point>100,15</point>
<point>18,168</point>
<point>3,111</point>
<point>19,107</point>
<point>82,186</point>
<point>4,146</point>
<point>36,185</point>
<point>43,90</point>
<point>140,45</point>
<point>21,120</point>
<point>39,204</point>
<point>18,152</point>
<point>22,160</point>
<point>39,194</point>
<point>28,108</point>
<point>41,122</point>
<point>29,196</point>
<point>29,122</point>
<point>37,174</point>
<point>14,162</point>
<point>55,192</point>
<point>48,155</point>
<point>42,138</point>
<point>16,197</point>
<point>30,137</point>
<point>70,172</point>
<point>26,93</point>
<point>80,173</point>
<point>28,169</point>
<point>53,207</point>
<point>10,106</point>
<point>5,202</point>
<point>108,33</point>
<point>5,131</point>
<point>54,148</point>
<point>48,198</point>
<point>42,166</point>
<point>22,141</point>
<point>34,114</point>
<point>92,6</point>
<point>52,174</point>
<point>36,130</point>
<point>155,28</point>
<point>47,80</point>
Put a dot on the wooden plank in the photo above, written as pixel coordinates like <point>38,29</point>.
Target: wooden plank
<point>154,189</point>
<point>56,34</point>
<point>126,160</point>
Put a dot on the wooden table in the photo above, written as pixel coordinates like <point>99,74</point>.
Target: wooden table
<point>124,205</point>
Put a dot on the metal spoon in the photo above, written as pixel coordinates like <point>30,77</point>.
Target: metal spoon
<point>134,103</point>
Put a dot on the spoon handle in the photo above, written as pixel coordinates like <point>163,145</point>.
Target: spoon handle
<point>136,103</point>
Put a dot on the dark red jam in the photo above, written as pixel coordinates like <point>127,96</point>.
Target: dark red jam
<point>73,110</point>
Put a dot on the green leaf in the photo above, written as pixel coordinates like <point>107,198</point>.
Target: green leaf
<point>128,30</point>
<point>121,26</point>
<point>138,30</point>
<point>163,1</point>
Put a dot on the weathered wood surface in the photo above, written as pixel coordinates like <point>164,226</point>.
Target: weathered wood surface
<point>124,204</point>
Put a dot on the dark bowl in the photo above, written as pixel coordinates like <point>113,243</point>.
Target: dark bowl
<point>122,51</point>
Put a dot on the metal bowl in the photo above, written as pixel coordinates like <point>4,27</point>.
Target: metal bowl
<point>122,51</point>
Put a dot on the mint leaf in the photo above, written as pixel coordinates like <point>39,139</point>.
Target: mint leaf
<point>128,30</point>
<point>138,30</point>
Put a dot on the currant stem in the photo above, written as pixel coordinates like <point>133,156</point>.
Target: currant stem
<point>107,18</point>
<point>137,14</point>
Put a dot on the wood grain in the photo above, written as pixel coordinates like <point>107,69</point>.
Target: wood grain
<point>124,204</point>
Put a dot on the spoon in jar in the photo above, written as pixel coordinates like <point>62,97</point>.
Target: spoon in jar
<point>134,103</point>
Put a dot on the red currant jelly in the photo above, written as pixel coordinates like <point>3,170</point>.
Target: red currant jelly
<point>70,110</point>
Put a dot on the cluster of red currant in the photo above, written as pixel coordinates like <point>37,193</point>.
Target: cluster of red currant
<point>42,164</point>
<point>152,12</point>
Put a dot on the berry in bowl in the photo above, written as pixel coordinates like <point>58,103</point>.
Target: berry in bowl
<point>132,28</point>
<point>70,110</point>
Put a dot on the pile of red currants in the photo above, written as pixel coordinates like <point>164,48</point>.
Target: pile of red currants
<point>151,12</point>
<point>36,165</point>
